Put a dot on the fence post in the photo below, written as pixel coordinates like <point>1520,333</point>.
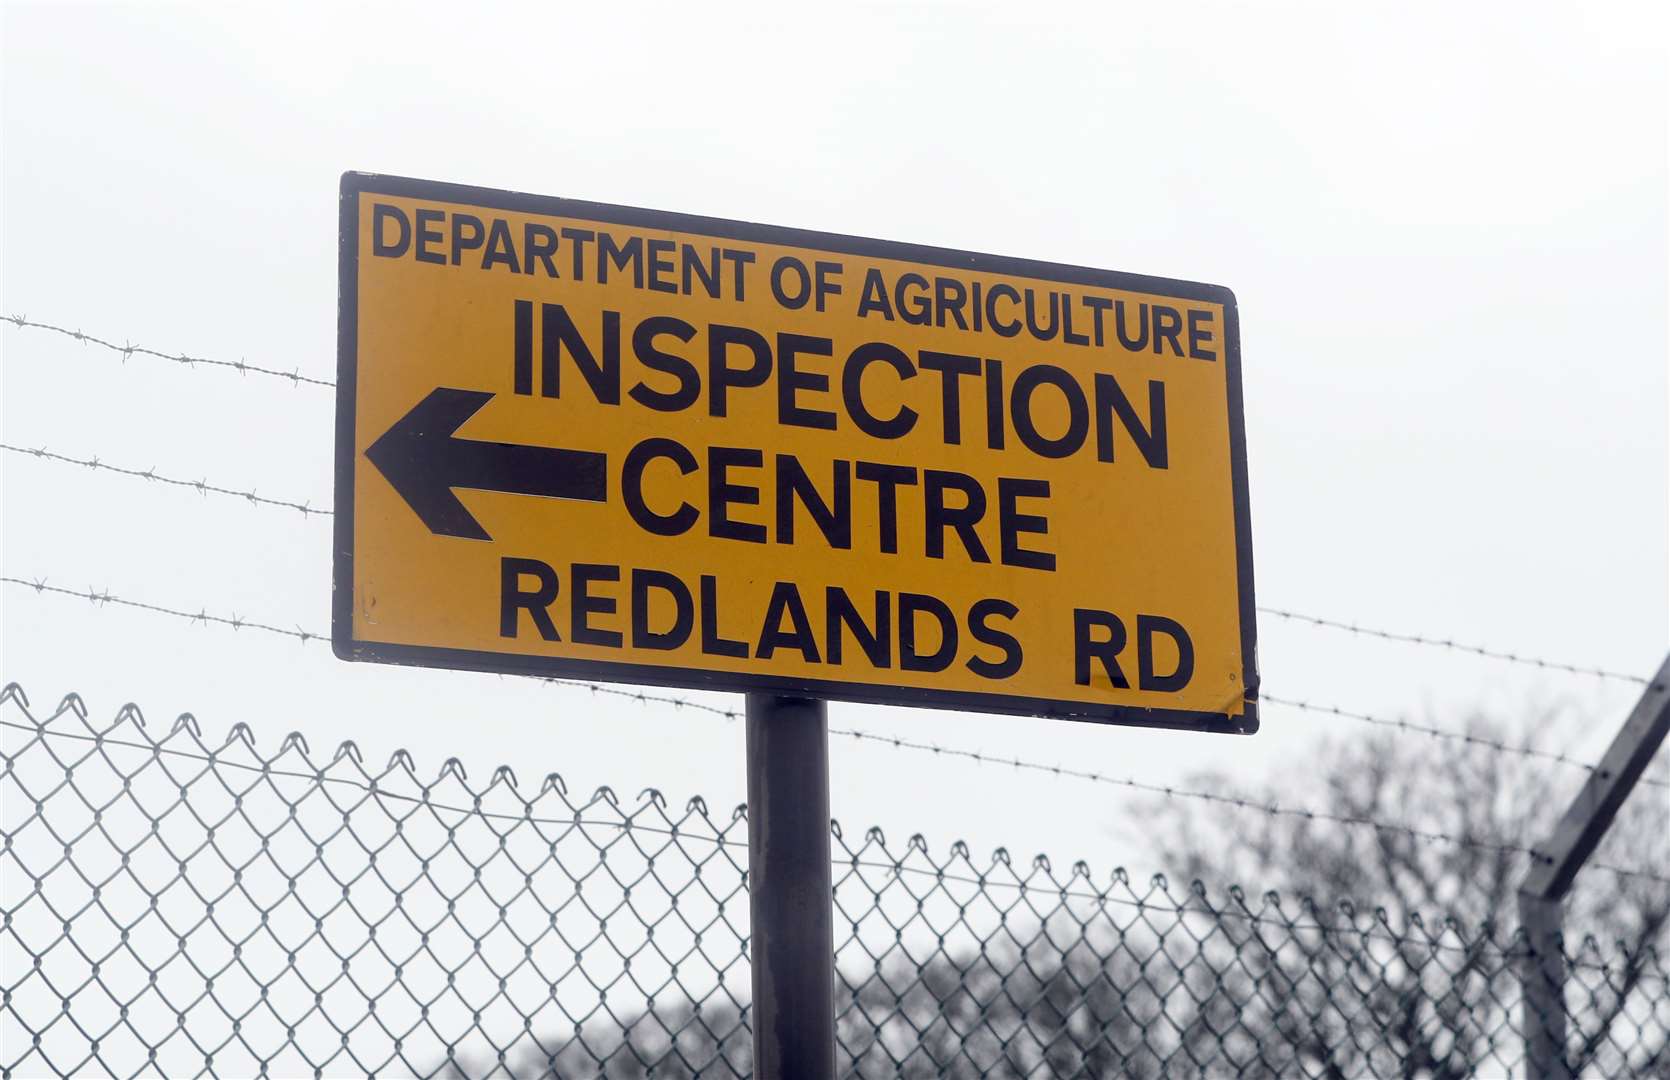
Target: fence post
<point>790,889</point>
<point>1554,866</point>
<point>1542,977</point>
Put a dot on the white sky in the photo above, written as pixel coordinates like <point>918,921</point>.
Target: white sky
<point>1445,224</point>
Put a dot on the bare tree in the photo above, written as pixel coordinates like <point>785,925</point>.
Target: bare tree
<point>1378,950</point>
<point>1365,951</point>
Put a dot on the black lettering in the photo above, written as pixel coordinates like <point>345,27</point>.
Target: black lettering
<point>720,377</point>
<point>500,248</point>
<point>629,255</point>
<point>791,380</point>
<point>1043,333</point>
<point>539,242</point>
<point>522,364</point>
<point>785,600</point>
<point>707,272</point>
<point>583,605</point>
<point>558,330</point>
<point>659,266</point>
<point>803,286</point>
<point>513,598</point>
<point>1200,335</point>
<point>994,404</point>
<point>823,286</point>
<point>643,347</point>
<point>1168,326</point>
<point>887,479</point>
<point>1011,522</point>
<point>721,493</point>
<point>873,296</point>
<point>1150,438</point>
<point>917,310</point>
<point>389,249</point>
<point>467,235</point>
<point>852,390</point>
<point>577,241</point>
<point>1141,340</point>
<point>427,236</point>
<point>1097,305</point>
<point>949,297</point>
<point>840,613</point>
<point>794,485</point>
<point>712,643</point>
<point>632,480</point>
<point>990,635</point>
<point>951,368</point>
<point>684,610</point>
<point>1067,334</point>
<point>910,658</point>
<point>1085,649</point>
<point>1078,412</point>
<point>737,259</point>
<point>1004,329</point>
<point>1147,627</point>
<point>937,516</point>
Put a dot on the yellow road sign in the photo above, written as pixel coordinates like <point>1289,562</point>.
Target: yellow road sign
<point>586,440</point>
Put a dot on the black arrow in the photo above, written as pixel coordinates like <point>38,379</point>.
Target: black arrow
<point>423,460</point>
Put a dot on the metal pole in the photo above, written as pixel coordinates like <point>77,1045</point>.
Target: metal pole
<point>790,888</point>
<point>1555,863</point>
<point>1542,977</point>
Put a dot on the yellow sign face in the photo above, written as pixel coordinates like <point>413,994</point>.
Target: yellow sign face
<point>592,441</point>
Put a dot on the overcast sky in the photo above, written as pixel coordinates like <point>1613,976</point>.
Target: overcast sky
<point>1445,224</point>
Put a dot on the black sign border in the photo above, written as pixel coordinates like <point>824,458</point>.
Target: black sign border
<point>347,648</point>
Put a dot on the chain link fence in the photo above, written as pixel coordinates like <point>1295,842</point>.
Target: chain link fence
<point>177,908</point>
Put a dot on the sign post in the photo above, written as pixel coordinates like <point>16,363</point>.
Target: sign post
<point>791,944</point>
<point>591,441</point>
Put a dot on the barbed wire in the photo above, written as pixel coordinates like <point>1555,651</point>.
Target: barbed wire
<point>128,349</point>
<point>235,621</point>
<point>1335,711</point>
<point>638,695</point>
<point>202,487</point>
<point>1479,741</point>
<point>1446,643</point>
<point>898,742</point>
<point>1240,802</point>
<point>306,509</point>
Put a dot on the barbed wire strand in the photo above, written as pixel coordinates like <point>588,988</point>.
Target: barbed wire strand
<point>1479,741</point>
<point>235,621</point>
<point>1457,646</point>
<point>128,349</point>
<point>898,742</point>
<point>202,487</point>
<point>1237,801</point>
<point>306,509</point>
<point>1325,710</point>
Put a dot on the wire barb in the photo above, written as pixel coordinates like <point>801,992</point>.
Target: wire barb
<point>128,349</point>
<point>202,487</point>
<point>105,596</point>
<point>1440,733</point>
<point>1446,643</point>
